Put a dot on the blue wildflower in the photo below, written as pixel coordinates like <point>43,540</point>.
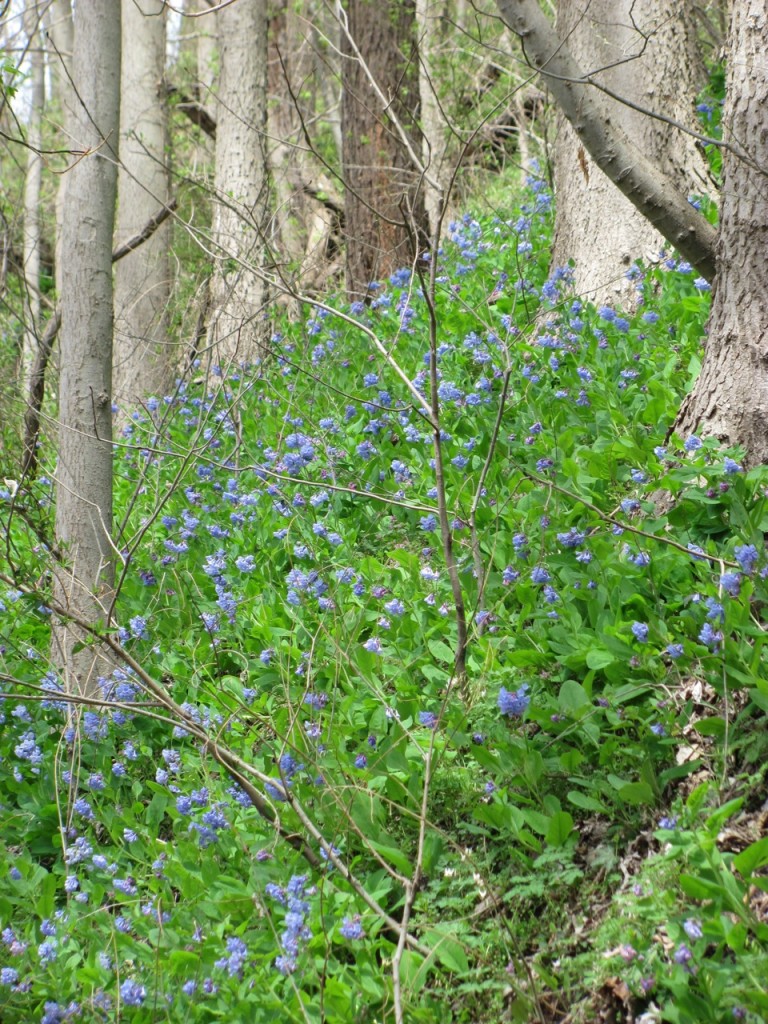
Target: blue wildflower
<point>693,443</point>
<point>352,929</point>
<point>514,703</point>
<point>640,631</point>
<point>746,555</point>
<point>132,993</point>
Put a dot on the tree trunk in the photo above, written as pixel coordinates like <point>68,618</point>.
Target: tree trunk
<point>61,36</point>
<point>32,183</point>
<point>142,356</point>
<point>730,398</point>
<point>433,126</point>
<point>383,206</point>
<point>645,50</point>
<point>305,227</point>
<point>206,28</point>
<point>84,469</point>
<point>652,191</point>
<point>238,294</point>
<point>290,70</point>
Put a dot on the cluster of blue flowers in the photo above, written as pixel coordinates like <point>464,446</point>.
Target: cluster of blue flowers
<point>295,898</point>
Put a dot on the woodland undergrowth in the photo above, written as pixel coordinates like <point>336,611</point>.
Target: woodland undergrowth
<point>406,729</point>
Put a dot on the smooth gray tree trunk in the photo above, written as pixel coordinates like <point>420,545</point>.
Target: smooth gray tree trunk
<point>645,50</point>
<point>61,40</point>
<point>434,128</point>
<point>730,397</point>
<point>655,194</point>
<point>143,358</point>
<point>238,292</point>
<point>84,584</point>
<point>32,185</point>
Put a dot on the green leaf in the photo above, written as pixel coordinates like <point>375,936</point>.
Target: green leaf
<point>700,888</point>
<point>599,657</point>
<point>391,853</point>
<point>156,809</point>
<point>433,847</point>
<point>440,650</point>
<point>47,899</point>
<point>182,961</point>
<point>573,698</point>
<point>759,699</point>
<point>560,828</point>
<point>755,856</point>
<point>586,803</point>
<point>539,822</point>
<point>636,794</point>
<point>713,726</point>
<point>448,950</point>
<point>414,970</point>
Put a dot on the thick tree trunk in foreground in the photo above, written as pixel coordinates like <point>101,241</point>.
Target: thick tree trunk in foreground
<point>382,204</point>
<point>84,469</point>
<point>730,398</point>
<point>653,192</point>
<point>238,294</point>
<point>142,358</point>
<point>646,51</point>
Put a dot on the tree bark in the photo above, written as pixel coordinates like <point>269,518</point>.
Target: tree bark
<point>84,468</point>
<point>32,184</point>
<point>730,398</point>
<point>305,227</point>
<point>61,37</point>
<point>433,126</point>
<point>142,358</point>
<point>645,50</point>
<point>383,205</point>
<point>238,294</point>
<point>654,193</point>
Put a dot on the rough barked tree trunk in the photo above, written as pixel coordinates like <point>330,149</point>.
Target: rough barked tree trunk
<point>383,205</point>
<point>730,397</point>
<point>650,189</point>
<point>238,294</point>
<point>142,357</point>
<point>289,76</point>
<point>645,50</point>
<point>304,230</point>
<point>84,469</point>
<point>32,184</point>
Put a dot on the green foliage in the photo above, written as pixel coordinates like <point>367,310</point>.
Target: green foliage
<point>284,583</point>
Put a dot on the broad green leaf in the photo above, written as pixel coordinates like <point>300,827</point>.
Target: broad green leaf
<point>586,803</point>
<point>394,856</point>
<point>573,698</point>
<point>636,793</point>
<point>560,828</point>
<point>441,651</point>
<point>713,726</point>
<point>755,856</point>
<point>599,657</point>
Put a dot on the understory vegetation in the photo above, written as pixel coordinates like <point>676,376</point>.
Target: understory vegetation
<point>296,800</point>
